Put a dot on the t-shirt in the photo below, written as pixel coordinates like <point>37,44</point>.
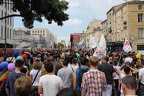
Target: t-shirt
<point>12,76</point>
<point>51,84</point>
<point>65,74</point>
<point>141,73</point>
<point>116,68</point>
<point>108,70</point>
<point>33,72</point>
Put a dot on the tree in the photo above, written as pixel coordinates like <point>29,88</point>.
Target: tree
<point>60,45</point>
<point>34,10</point>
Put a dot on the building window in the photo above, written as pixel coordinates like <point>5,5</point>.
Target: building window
<point>141,33</point>
<point>140,17</point>
<point>10,33</point>
<point>139,7</point>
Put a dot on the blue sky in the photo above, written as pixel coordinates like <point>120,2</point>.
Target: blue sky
<point>81,13</point>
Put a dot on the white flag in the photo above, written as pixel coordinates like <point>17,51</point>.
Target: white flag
<point>92,43</point>
<point>126,46</point>
<point>80,43</point>
<point>101,47</point>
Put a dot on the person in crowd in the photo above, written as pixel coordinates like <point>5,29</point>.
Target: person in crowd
<point>49,84</point>
<point>125,70</point>
<point>58,66</point>
<point>116,78</point>
<point>141,81</point>
<point>67,92</point>
<point>93,81</point>
<point>73,66</point>
<point>35,74</point>
<point>109,71</point>
<point>23,86</point>
<point>66,74</point>
<point>12,76</point>
<point>78,75</point>
<point>129,86</point>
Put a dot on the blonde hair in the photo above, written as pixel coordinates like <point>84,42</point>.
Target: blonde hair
<point>37,65</point>
<point>93,60</point>
<point>23,86</point>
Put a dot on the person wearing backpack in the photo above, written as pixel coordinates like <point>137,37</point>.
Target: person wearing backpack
<point>79,73</point>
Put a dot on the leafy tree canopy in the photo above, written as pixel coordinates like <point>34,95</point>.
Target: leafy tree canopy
<point>34,10</point>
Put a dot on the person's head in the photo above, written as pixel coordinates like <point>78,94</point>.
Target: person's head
<point>104,59</point>
<point>67,92</point>
<point>65,62</point>
<point>74,61</point>
<point>93,61</point>
<point>83,60</point>
<point>129,84</point>
<point>49,67</point>
<point>126,69</point>
<point>19,63</point>
<point>115,61</point>
<point>37,64</point>
<point>22,86</point>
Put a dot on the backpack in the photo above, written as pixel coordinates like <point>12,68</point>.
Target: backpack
<point>81,72</point>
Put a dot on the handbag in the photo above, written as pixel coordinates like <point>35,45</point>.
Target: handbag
<point>34,91</point>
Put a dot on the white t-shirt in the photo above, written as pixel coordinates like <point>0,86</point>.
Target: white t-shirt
<point>51,84</point>
<point>116,68</point>
<point>141,73</point>
<point>33,72</point>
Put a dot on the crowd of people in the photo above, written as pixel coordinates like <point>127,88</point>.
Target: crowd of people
<point>71,73</point>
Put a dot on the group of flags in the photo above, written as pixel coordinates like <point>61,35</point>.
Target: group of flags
<point>101,46</point>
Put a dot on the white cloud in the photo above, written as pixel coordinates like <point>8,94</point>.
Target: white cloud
<point>73,22</point>
<point>70,22</point>
<point>73,3</point>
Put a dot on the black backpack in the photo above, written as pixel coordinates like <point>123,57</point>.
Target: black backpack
<point>81,72</point>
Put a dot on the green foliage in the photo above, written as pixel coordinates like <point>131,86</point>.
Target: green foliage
<point>60,45</point>
<point>34,10</point>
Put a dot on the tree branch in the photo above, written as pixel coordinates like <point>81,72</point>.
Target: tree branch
<point>13,15</point>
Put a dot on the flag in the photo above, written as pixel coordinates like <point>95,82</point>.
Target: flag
<point>126,46</point>
<point>101,47</point>
<point>80,43</point>
<point>118,31</point>
<point>92,43</point>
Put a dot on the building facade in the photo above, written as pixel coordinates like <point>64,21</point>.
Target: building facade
<point>94,29</point>
<point>126,21</point>
<point>6,25</point>
<point>45,37</point>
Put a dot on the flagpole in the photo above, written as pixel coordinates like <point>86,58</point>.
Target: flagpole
<point>128,21</point>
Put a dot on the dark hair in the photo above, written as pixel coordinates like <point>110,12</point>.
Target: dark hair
<point>126,69</point>
<point>74,61</point>
<point>19,63</point>
<point>67,92</point>
<point>48,66</point>
<point>130,82</point>
<point>83,60</point>
<point>65,62</point>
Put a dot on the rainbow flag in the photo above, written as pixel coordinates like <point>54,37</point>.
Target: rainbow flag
<point>4,74</point>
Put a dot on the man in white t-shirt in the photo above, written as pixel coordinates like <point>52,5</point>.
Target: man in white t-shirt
<point>141,79</point>
<point>49,84</point>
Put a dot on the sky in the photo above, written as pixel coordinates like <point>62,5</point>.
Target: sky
<point>81,13</point>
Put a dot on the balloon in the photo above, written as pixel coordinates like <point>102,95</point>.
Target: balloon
<point>24,56</point>
<point>19,58</point>
<point>138,56</point>
<point>11,66</point>
<point>3,65</point>
<point>16,52</point>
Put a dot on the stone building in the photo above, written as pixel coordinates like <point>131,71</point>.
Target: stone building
<point>125,21</point>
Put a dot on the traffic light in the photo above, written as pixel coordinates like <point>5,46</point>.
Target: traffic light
<point>71,38</point>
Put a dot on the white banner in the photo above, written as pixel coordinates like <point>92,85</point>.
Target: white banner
<point>126,47</point>
<point>101,47</point>
<point>92,43</point>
